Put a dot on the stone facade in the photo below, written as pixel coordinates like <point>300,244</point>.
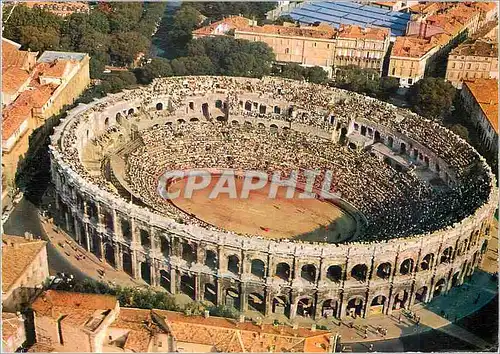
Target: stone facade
<point>296,279</point>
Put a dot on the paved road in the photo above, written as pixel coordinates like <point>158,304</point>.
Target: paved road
<point>25,218</point>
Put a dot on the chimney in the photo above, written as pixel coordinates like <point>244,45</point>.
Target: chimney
<point>28,236</point>
<point>313,327</point>
<point>242,318</point>
<point>206,314</point>
<point>295,325</point>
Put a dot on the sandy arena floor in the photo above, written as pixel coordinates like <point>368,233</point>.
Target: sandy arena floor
<point>279,218</point>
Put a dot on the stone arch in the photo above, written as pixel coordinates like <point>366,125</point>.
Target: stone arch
<point>233,264</point>
<point>165,280</point>
<point>126,230</point>
<point>277,110</point>
<point>248,106</point>
<point>390,142</point>
<point>455,280</point>
<point>145,238</point>
<point>261,126</point>
<point>205,110</point>
<point>258,268</point>
<point>159,106</point>
<point>118,118</point>
<point>343,133</point>
<point>188,253</point>
<point>402,148</point>
<point>308,272</point>
<point>164,246</point>
<point>329,308</point>
<point>262,109</point>
<point>211,259</point>
<point>359,272</point>
<point>146,272</point>
<point>109,252</point>
<point>377,136</point>
<point>181,121</point>
<point>257,302</point>
<point>281,306</point>
<point>235,122</point>
<point>233,298</point>
<point>406,266</point>
<point>210,293</point>
<point>220,119</point>
<point>188,286</point>
<point>274,128</point>
<point>363,130</point>
<point>218,104</point>
<point>194,120</point>
<point>446,255</point>
<point>440,287</point>
<point>400,300</point>
<point>130,111</point>
<point>421,294</point>
<point>106,122</point>
<point>384,270</point>
<point>378,304</point>
<point>334,273</point>
<point>305,307</point>
<point>354,307</point>
<point>484,247</point>
<point>427,261</point>
<point>283,271</point>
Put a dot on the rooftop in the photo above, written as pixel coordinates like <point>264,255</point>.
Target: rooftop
<point>479,48</point>
<point>485,92</point>
<point>16,66</point>
<point>353,31</point>
<point>224,25</point>
<point>350,13</point>
<point>11,323</point>
<point>17,255</point>
<point>411,47</point>
<point>324,31</point>
<point>49,56</point>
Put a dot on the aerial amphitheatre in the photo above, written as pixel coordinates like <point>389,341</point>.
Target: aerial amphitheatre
<point>410,218</point>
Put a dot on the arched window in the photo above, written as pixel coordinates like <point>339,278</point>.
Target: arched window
<point>159,106</point>
<point>334,273</point>
<point>233,264</point>
<point>359,272</point>
<point>258,268</point>
<point>384,270</point>
<point>406,266</point>
<point>308,272</point>
<point>283,271</point>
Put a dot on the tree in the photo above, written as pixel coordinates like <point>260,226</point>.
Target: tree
<point>316,75</point>
<point>39,39</point>
<point>158,67</point>
<point>115,82</point>
<point>354,78</point>
<point>217,10</point>
<point>291,71</point>
<point>282,19</point>
<point>460,130</point>
<point>125,46</point>
<point>432,97</point>
<point>388,86</point>
<point>23,16</point>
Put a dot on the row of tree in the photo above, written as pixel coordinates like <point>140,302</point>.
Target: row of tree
<point>112,33</point>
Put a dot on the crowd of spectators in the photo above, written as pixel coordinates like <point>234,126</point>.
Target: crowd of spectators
<point>395,204</point>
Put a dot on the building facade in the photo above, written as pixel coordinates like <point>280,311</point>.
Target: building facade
<point>24,269</point>
<point>480,98</point>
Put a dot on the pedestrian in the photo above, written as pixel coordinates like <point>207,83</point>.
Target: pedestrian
<point>370,348</point>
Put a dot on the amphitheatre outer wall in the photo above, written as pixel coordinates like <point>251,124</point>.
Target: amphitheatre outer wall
<point>291,278</point>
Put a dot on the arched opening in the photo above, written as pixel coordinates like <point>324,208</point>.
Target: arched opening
<point>233,264</point>
<point>426,161</point>
<point>352,146</point>
<point>427,262</point>
<point>273,128</point>
<point>400,301</point>
<point>248,106</point>
<point>188,253</point>
<point>403,148</point>
<point>146,272</point>
<point>110,255</point>
<point>218,104</point>
<point>446,255</point>
<point>164,247</point>
<point>370,132</point>
<point>308,273</point>
<point>281,306</point>
<point>235,123</point>
<point>343,133</point>
<point>194,120</point>
<point>355,307</point>
<point>262,109</point>
<point>145,239</point>
<point>118,118</point>
<point>415,154</point>
<point>363,130</point>
<point>130,111</point>
<point>256,302</point>
<point>211,259</point>
<point>421,294</point>
<point>210,293</point>
<point>277,110</point>
<point>378,305</point>
<point>258,268</point>
<point>406,266</point>
<point>261,126</point>
<point>248,124</point>
<point>384,270</point>
<point>439,288</point>
<point>181,121</point>
<point>165,280</point>
<point>359,272</point>
<point>305,307</point>
<point>127,264</point>
<point>233,298</point>
<point>106,122</point>
<point>455,279</point>
<point>188,286</point>
<point>126,232</point>
<point>484,247</point>
<point>159,106</point>
<point>283,271</point>
<point>168,124</point>
<point>204,110</point>
<point>220,119</point>
<point>377,136</point>
<point>390,142</point>
<point>191,106</point>
<point>334,273</point>
<point>329,308</point>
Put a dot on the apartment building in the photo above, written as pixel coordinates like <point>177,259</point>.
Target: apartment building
<point>32,92</point>
<point>480,99</point>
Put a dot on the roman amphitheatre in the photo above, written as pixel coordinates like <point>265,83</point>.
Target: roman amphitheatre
<point>410,220</point>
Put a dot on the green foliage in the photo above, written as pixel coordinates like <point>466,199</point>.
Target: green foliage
<point>158,67</point>
<point>125,46</point>
<point>432,97</point>
<point>282,19</point>
<point>224,311</point>
<point>115,82</point>
<point>23,16</point>
<point>217,10</point>
<point>314,74</point>
<point>39,39</point>
<point>460,130</point>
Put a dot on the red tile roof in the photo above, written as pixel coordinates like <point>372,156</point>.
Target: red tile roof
<point>323,31</point>
<point>353,31</point>
<point>11,323</point>
<point>485,92</point>
<point>233,22</point>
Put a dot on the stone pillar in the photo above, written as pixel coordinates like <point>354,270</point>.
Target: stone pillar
<point>133,231</point>
<point>390,304</point>
<point>100,215</point>
<point>118,258</point>
<point>117,225</point>
<point>220,291</point>
<point>78,230</point>
<point>173,281</point>
<point>152,272</point>
<point>85,209</point>
<point>200,254</point>
<point>136,271</point>
<point>268,303</point>
<point>243,298</point>
<point>197,285</point>
<point>87,236</point>
<point>293,306</point>
<point>343,307</point>
<point>66,218</point>
<point>101,249</point>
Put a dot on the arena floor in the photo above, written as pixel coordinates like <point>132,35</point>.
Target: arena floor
<point>279,218</point>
